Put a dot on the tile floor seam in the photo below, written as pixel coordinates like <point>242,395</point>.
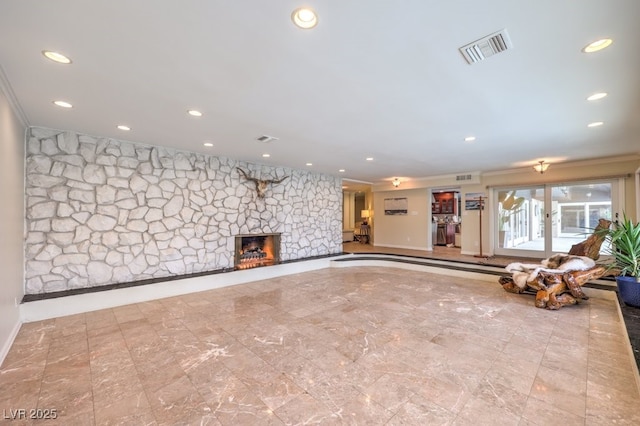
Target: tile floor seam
<point>93,404</point>
<point>44,370</point>
<point>146,394</point>
<point>256,395</point>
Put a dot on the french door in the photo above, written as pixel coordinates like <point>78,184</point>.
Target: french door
<point>540,220</point>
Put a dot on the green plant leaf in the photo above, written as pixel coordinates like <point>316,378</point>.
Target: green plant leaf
<point>625,246</point>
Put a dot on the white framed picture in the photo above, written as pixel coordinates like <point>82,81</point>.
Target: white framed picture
<point>396,206</point>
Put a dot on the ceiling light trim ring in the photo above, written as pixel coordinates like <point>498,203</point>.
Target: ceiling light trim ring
<point>305,18</point>
<point>57,57</point>
<point>597,96</point>
<point>63,104</point>
<point>597,45</point>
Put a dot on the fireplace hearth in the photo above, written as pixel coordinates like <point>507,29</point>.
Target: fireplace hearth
<point>255,250</point>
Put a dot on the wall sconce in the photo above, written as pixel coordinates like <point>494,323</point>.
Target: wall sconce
<point>396,182</point>
<point>541,167</point>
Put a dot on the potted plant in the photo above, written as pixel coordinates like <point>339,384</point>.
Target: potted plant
<point>625,249</point>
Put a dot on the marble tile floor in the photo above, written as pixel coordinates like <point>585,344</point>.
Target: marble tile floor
<point>357,345</point>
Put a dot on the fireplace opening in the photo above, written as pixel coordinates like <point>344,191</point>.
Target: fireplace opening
<point>256,250</point>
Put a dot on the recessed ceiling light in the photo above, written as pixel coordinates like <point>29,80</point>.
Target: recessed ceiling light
<point>470,139</point>
<point>595,124</point>
<point>209,144</point>
<point>304,18</point>
<point>56,57</point>
<point>597,96</point>
<point>123,127</point>
<point>369,158</point>
<point>195,113</point>
<point>341,170</point>
<point>265,155</point>
<point>63,104</point>
<point>597,45</point>
<point>309,164</point>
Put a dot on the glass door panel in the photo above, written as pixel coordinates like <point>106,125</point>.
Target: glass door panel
<point>577,210</point>
<point>521,220</point>
<point>539,221</point>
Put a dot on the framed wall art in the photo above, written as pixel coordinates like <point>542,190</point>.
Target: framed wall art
<point>396,206</point>
<point>474,201</point>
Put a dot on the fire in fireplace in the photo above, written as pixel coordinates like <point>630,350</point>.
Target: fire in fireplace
<point>256,250</point>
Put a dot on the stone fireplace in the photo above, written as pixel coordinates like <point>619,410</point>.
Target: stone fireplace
<point>254,250</point>
<point>101,211</point>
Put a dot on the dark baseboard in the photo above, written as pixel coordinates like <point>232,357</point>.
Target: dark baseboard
<point>73,292</point>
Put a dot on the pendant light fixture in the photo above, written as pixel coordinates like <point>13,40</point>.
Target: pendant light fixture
<point>541,167</point>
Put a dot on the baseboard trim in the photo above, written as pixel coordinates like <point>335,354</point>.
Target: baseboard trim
<point>38,310</point>
<point>475,253</point>
<point>403,247</point>
<point>4,351</point>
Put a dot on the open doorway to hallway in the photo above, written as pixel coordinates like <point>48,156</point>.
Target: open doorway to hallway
<point>357,211</point>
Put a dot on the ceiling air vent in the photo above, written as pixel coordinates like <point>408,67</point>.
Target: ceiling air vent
<point>463,177</point>
<point>267,138</point>
<point>487,46</point>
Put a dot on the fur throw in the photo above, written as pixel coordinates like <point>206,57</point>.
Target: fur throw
<point>523,273</point>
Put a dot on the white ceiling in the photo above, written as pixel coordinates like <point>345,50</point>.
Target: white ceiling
<point>375,78</point>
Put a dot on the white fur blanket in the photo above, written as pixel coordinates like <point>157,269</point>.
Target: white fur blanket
<point>522,273</point>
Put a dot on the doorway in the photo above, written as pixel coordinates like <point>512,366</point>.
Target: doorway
<point>540,220</point>
<point>356,205</point>
<point>446,223</point>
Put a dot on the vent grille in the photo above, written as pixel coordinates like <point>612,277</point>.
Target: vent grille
<point>487,46</point>
<point>463,177</point>
<point>266,138</point>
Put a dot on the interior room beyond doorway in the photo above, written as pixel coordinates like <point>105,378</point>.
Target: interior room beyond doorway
<point>446,223</point>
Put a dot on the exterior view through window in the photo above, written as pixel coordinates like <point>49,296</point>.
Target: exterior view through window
<point>573,213</point>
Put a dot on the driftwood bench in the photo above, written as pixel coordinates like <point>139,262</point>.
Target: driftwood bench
<point>558,280</point>
<point>555,290</point>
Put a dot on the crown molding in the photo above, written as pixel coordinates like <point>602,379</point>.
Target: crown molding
<point>569,164</point>
<point>5,86</point>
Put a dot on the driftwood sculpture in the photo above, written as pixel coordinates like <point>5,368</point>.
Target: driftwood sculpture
<point>558,280</point>
<point>591,246</point>
<point>554,290</point>
<point>261,184</point>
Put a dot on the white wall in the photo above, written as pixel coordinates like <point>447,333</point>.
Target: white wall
<point>402,231</point>
<point>410,231</point>
<point>11,221</point>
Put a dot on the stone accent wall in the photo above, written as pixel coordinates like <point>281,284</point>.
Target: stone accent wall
<point>102,211</point>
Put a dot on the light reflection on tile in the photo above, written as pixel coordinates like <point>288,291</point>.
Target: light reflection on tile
<point>357,345</point>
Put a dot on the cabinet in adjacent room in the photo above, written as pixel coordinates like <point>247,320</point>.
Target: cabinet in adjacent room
<point>445,203</point>
<point>451,234</point>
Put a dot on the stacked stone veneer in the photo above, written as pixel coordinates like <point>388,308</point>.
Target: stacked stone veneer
<point>101,211</point>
